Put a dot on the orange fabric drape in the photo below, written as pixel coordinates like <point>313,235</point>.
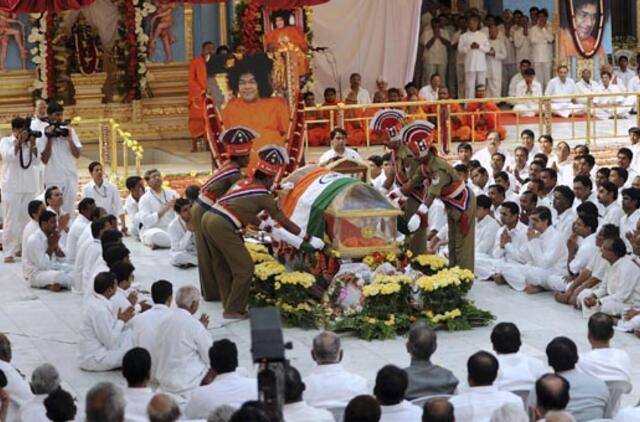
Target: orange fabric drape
<point>198,85</point>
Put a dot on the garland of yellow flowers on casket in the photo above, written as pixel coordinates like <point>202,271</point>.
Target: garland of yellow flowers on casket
<point>402,289</point>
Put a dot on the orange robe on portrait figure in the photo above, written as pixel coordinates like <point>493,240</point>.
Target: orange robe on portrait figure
<point>484,118</point>
<point>460,131</point>
<point>568,47</point>
<point>267,116</point>
<point>198,85</point>
<point>295,36</point>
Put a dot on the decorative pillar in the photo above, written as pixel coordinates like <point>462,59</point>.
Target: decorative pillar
<point>222,15</point>
<point>188,31</point>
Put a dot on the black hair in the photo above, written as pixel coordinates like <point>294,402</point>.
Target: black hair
<point>562,354</point>
<point>483,201</point>
<point>122,270</point>
<point>622,173</point>
<point>103,281</point>
<point>34,206</point>
<point>543,213</point>
<point>54,108</point>
<point>223,356</point>
<point>85,203</point>
<point>46,216</point>
<point>585,180</point>
<point>19,123</point>
<point>363,408</point>
<point>589,220</point>
<point>337,130</point>
<point>93,165</point>
<point>136,366</point>
<point>634,194</point>
<point>48,193</point>
<point>566,193</point>
<point>60,406</point>
<point>588,208</point>
<point>513,208</point>
<point>391,385</point>
<point>192,192</point>
<point>161,290</point>
<point>257,65</point>
<point>180,202</point>
<point>482,368</point>
<point>132,181</point>
<point>464,146</point>
<point>505,338</point>
<point>626,152</point>
<point>552,395</point>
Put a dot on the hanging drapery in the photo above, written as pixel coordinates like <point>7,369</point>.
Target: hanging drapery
<point>39,6</point>
<point>289,4</point>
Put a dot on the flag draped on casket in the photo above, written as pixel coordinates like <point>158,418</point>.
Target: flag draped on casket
<point>312,194</point>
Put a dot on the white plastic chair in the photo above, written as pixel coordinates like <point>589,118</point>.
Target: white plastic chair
<point>420,401</point>
<point>616,390</point>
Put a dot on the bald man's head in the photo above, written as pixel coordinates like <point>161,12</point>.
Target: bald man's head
<point>438,409</point>
<point>162,408</point>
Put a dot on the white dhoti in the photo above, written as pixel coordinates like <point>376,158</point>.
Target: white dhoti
<point>156,238</point>
<point>609,306</point>
<point>494,81</point>
<point>69,188</point>
<point>485,266</point>
<point>473,79</point>
<point>42,279</point>
<point>107,360</point>
<point>630,325</point>
<point>182,258</point>
<point>15,218</point>
<point>519,275</point>
<point>566,109</point>
<point>528,109</point>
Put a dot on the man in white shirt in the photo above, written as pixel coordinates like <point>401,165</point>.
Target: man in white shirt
<point>519,34</point>
<point>104,193</point>
<point>529,87</point>
<point>435,41</point>
<point>88,254</point>
<point>44,380</point>
<point>228,386</point>
<point>544,254</point>
<point>59,147</point>
<point>608,198</point>
<point>136,369</point>
<point>183,346</point>
<point>623,75</point>
<point>562,85</point>
<point>485,154</point>
<point>625,158</point>
<point>86,208</point>
<point>329,384</point>
<point>17,388</point>
<point>18,184</point>
<point>603,361</point>
<point>53,199</point>
<point>517,371</point>
<point>295,408</point>
<point>620,288</point>
<point>479,181</point>
<point>483,397</point>
<point>39,123</point>
<point>613,105</point>
<point>541,38</point>
<point>461,25</point>
<point>362,95</point>
<point>475,45</point>
<point>390,388</point>
<point>156,211</point>
<point>183,247</point>
<point>486,226</point>
<point>517,78</point>
<point>339,148</point>
<point>586,86</point>
<point>135,185</point>
<point>495,58</point>
<point>103,338</point>
<point>44,265</point>
<point>430,92</point>
<point>35,208</point>
<point>631,208</point>
<point>563,198</point>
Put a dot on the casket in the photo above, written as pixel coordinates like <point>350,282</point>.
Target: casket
<point>352,217</point>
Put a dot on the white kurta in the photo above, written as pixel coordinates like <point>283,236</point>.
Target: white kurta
<point>518,372</point>
<point>363,96</point>
<point>331,153</point>
<point>604,112</point>
<point>301,412</point>
<point>527,108</point>
<point>563,107</point>
<point>428,93</point>
<point>71,246</point>
<point>620,287</point>
<point>479,403</point>
<point>133,218</point>
<point>544,256</point>
<point>624,78</point>
<point>521,43</point>
<point>40,269</point>
<point>583,87</point>
<point>629,223</point>
<point>606,364</point>
<point>60,170</point>
<point>103,339</point>
<point>494,67</point>
<point>486,266</point>
<point>19,186</point>
<point>91,259</point>
<point>332,386</point>
<point>437,54</point>
<point>18,389</point>
<point>34,410</point>
<point>106,196</point>
<point>564,223</point>
<point>437,217</point>
<point>145,328</point>
<point>230,388</point>
<point>486,230</point>
<point>154,228</point>
<point>484,157</point>
<point>401,412</point>
<point>183,246</point>
<point>475,60</point>
<point>542,51</point>
<point>137,401</point>
<point>612,214</point>
<point>183,357</point>
<point>513,84</point>
<point>31,227</point>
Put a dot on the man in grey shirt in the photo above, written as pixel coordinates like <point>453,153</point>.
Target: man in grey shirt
<point>425,378</point>
<point>589,396</point>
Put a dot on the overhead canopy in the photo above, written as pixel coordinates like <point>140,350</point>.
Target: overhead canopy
<point>39,6</point>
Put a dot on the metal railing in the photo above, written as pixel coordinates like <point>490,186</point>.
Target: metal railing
<point>596,106</point>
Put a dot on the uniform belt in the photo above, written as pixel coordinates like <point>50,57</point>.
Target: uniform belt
<point>205,202</point>
<point>228,215</point>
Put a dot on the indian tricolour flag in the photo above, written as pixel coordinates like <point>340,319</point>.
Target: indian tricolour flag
<point>312,194</point>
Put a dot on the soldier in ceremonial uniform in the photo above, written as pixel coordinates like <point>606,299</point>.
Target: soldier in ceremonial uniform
<point>389,123</point>
<point>222,229</point>
<point>238,142</point>
<point>444,184</point>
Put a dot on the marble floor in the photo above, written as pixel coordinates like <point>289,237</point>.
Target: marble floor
<point>43,327</point>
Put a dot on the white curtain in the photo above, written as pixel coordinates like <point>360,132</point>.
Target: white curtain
<point>102,15</point>
<point>370,37</point>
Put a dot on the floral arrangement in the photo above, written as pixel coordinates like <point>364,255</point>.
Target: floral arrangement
<point>395,297</point>
<point>43,28</point>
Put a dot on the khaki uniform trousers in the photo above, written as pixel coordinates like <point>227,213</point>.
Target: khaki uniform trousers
<point>462,248</point>
<point>230,261</point>
<point>208,283</point>
<point>418,239</point>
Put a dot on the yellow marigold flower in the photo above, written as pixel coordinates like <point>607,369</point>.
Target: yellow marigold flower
<point>277,285</point>
<point>370,290</point>
<point>268,269</point>
<point>369,260</point>
<point>435,262</point>
<point>391,257</point>
<point>409,254</point>
<point>372,320</point>
<point>305,280</point>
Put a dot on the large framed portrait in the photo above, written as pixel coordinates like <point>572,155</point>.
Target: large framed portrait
<point>584,25</point>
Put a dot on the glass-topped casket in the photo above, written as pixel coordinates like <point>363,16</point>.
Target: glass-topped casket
<point>351,216</point>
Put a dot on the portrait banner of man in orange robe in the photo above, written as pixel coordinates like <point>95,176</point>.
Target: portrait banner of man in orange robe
<point>583,26</point>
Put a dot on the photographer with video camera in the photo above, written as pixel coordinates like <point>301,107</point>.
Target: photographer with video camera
<point>58,148</point>
<point>18,183</point>
<point>39,123</point>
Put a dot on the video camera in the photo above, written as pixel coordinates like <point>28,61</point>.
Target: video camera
<point>267,350</point>
<point>61,129</point>
<point>31,133</point>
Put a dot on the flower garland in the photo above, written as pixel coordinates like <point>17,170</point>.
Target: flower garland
<point>43,85</point>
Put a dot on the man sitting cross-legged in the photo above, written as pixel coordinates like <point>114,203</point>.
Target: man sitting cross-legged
<point>156,211</point>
